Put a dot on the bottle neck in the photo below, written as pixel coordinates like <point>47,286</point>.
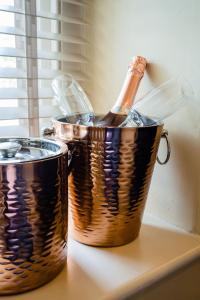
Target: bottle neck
<point>128,92</point>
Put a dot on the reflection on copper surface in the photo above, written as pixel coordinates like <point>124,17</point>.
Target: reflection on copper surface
<point>33,223</point>
<point>109,181</point>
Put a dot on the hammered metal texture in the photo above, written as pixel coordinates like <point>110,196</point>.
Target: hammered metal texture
<point>109,180</point>
<point>33,223</point>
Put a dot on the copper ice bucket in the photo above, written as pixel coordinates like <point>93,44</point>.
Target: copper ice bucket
<point>109,180</point>
<point>33,214</point>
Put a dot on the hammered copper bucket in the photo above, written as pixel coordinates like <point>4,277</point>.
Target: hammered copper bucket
<point>109,180</point>
<point>33,215</point>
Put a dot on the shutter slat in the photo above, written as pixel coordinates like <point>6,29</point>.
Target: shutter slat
<point>12,73</point>
<point>17,93</point>
<point>44,35</point>
<point>12,9</point>
<point>47,109</point>
<point>45,93</point>
<point>72,20</point>
<point>19,127</point>
<point>12,30</point>
<point>75,2</point>
<point>42,74</point>
<point>13,52</point>
<point>45,15</point>
<point>12,93</point>
<point>9,113</point>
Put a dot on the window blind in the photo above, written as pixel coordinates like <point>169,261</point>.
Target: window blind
<point>39,39</point>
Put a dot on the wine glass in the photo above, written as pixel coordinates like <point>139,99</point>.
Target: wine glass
<point>159,103</point>
<point>72,100</point>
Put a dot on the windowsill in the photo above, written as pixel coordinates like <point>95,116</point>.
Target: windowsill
<point>108,273</point>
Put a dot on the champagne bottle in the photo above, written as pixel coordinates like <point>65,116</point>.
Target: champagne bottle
<point>120,110</point>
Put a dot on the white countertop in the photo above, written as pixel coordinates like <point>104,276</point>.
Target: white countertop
<point>107,273</point>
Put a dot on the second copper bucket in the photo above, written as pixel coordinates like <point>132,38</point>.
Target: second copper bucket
<point>109,180</point>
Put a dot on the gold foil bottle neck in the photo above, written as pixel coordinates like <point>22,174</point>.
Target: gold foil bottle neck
<point>138,65</point>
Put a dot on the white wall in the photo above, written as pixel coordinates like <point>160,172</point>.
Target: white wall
<point>168,34</point>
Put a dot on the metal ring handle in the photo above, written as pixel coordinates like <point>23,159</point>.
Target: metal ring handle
<point>164,135</point>
<point>48,131</point>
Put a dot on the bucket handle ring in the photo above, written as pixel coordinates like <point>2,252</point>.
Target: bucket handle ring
<point>164,135</point>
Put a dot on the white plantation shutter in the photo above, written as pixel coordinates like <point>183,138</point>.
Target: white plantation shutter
<point>38,40</point>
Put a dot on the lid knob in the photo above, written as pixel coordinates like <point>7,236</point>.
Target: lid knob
<point>9,149</point>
